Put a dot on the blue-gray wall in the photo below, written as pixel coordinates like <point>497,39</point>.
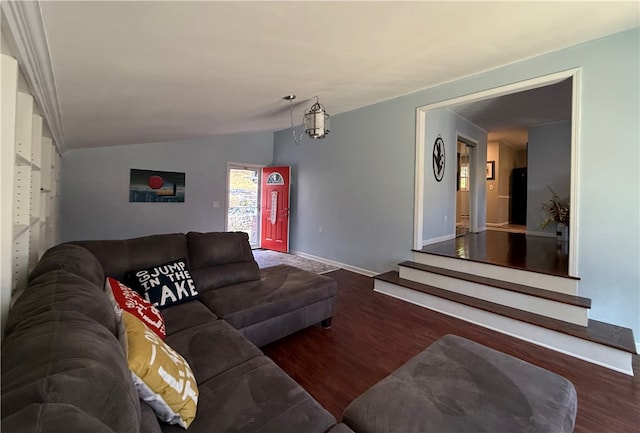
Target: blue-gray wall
<point>548,166</point>
<point>358,182</point>
<point>440,197</point>
<point>95,186</point>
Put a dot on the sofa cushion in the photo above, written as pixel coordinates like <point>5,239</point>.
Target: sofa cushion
<point>165,284</point>
<point>148,420</point>
<point>52,418</point>
<point>257,396</point>
<point>119,256</point>
<point>61,290</point>
<point>72,368</point>
<point>280,290</point>
<point>186,315</point>
<point>277,327</point>
<point>221,259</point>
<point>124,298</point>
<point>162,377</point>
<point>212,348</point>
<point>73,259</point>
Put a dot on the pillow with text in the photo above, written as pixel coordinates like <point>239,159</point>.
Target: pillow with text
<point>164,285</point>
<point>161,375</point>
<point>124,298</point>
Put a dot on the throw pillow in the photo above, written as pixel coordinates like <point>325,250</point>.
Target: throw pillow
<point>122,297</point>
<point>161,375</point>
<point>164,285</point>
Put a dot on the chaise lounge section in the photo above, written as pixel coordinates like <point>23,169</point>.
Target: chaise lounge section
<point>263,305</point>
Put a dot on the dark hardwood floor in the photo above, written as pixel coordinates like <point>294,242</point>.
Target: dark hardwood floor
<point>515,250</point>
<point>373,334</point>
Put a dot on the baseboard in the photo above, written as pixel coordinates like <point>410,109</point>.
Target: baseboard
<point>438,239</point>
<point>345,266</point>
<point>541,234</point>
<point>497,224</point>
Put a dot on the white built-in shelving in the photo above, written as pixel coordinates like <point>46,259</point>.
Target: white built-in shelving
<point>32,179</point>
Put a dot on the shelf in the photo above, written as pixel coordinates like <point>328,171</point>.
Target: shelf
<point>19,229</point>
<point>21,160</point>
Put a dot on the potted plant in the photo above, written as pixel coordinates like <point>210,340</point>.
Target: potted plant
<point>558,213</point>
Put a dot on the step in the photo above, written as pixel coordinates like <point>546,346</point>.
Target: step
<point>600,343</point>
<point>560,306</point>
<point>557,283</point>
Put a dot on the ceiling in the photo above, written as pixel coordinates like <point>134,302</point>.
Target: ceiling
<point>508,117</point>
<point>139,72</point>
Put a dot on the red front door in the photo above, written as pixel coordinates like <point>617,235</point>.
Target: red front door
<point>275,209</point>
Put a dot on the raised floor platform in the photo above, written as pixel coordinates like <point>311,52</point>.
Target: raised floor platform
<point>514,250</point>
<point>515,284</point>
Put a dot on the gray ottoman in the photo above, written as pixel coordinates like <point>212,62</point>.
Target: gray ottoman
<point>456,385</point>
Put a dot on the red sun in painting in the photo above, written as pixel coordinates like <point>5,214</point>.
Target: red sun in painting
<point>155,182</point>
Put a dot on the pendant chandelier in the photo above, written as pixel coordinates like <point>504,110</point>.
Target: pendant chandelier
<point>315,120</point>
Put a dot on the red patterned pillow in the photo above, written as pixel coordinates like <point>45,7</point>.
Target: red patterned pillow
<point>127,299</point>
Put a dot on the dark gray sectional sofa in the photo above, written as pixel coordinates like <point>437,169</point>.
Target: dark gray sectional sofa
<point>63,369</point>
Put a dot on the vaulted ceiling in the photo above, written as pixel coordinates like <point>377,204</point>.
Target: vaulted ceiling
<point>136,72</point>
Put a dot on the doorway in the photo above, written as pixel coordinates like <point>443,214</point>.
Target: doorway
<point>275,204</point>
<point>477,167</point>
<point>243,199</point>
<point>463,179</point>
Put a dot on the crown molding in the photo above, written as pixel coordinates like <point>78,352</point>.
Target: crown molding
<point>25,22</point>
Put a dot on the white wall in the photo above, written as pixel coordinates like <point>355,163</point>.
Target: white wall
<point>549,166</point>
<point>506,158</point>
<point>493,154</point>
<point>359,181</point>
<point>95,186</point>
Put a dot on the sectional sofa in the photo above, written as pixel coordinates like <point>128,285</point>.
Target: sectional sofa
<point>67,358</point>
<point>65,370</point>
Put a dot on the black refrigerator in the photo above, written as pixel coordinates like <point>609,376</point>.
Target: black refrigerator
<point>519,196</point>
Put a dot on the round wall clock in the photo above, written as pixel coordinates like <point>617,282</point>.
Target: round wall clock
<point>438,158</point>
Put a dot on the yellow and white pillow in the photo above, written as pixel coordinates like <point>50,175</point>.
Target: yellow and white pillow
<point>161,375</point>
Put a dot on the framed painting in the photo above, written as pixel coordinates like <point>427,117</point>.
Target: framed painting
<point>151,186</point>
<point>491,170</point>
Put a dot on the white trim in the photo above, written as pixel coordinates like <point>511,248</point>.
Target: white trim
<point>522,301</point>
<point>474,187</point>
<point>432,241</point>
<point>345,266</point>
<point>519,86</point>
<point>555,283</point>
<point>589,351</point>
<point>25,23</point>
<point>576,120</point>
<point>419,180</point>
